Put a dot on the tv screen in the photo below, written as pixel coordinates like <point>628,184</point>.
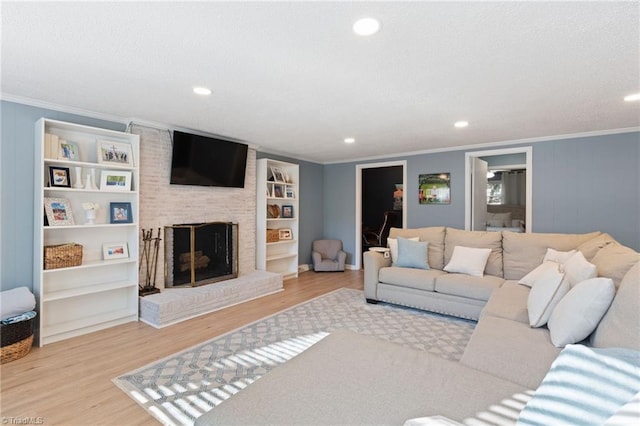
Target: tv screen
<point>206,161</point>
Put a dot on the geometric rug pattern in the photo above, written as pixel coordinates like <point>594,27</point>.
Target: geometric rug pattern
<point>178,389</point>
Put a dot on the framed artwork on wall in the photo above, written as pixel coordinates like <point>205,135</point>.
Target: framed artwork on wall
<point>434,188</point>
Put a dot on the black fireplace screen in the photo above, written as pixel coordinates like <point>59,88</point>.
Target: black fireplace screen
<point>200,253</point>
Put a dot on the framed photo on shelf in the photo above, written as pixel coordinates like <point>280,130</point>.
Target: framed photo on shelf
<point>120,213</point>
<point>113,180</point>
<point>112,251</point>
<point>58,211</point>
<point>287,212</point>
<point>285,234</point>
<point>68,150</point>
<point>278,174</point>
<point>59,177</point>
<point>115,153</point>
<point>277,191</point>
<point>290,193</point>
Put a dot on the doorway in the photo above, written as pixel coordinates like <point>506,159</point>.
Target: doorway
<point>476,184</point>
<point>385,200</point>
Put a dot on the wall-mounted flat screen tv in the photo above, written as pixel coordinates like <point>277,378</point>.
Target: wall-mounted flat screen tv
<point>207,161</point>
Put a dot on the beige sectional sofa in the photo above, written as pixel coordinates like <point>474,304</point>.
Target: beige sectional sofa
<point>352,379</point>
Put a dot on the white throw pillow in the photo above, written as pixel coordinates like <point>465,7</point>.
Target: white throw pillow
<point>580,311</point>
<point>545,294</point>
<point>558,256</point>
<point>392,243</point>
<point>533,276</point>
<point>578,269</point>
<point>468,260</point>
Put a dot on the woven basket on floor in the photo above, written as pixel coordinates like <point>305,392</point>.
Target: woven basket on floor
<point>16,340</point>
<point>62,256</point>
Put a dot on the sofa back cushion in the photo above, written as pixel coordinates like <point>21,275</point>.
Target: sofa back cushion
<point>476,239</point>
<point>591,247</point>
<point>433,235</point>
<point>614,261</point>
<point>620,326</point>
<point>522,253</point>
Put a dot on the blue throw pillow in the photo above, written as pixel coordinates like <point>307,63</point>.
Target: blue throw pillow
<point>585,386</point>
<point>412,254</point>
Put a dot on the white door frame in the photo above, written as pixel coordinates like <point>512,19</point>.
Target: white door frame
<point>528,151</point>
<point>359,167</point>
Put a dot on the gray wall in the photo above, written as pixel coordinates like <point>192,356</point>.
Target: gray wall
<point>579,185</point>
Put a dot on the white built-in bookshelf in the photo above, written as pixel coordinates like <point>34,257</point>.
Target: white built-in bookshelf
<point>277,223</point>
<point>86,192</point>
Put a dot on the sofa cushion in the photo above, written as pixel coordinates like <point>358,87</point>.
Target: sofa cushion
<point>421,279</point>
<point>510,350</point>
<point>477,239</point>
<point>590,248</point>
<point>434,235</point>
<point>584,386</point>
<point>351,379</point>
<point>620,326</point>
<point>580,310</point>
<point>614,260</point>
<point>509,302</point>
<point>522,252</point>
<point>463,285</point>
<point>468,260</point>
<point>545,294</point>
<point>412,254</point>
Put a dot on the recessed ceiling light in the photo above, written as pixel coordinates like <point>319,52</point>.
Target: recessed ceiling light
<point>349,140</point>
<point>631,98</point>
<point>201,91</point>
<point>461,124</point>
<point>366,26</point>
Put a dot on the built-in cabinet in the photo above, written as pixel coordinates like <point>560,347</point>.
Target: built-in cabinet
<point>86,193</point>
<point>277,224</point>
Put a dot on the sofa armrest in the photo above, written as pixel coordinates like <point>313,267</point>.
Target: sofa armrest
<point>373,262</point>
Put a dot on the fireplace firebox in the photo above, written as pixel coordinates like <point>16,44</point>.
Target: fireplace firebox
<point>200,253</point>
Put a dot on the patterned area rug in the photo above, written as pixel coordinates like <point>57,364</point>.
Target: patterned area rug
<point>180,388</point>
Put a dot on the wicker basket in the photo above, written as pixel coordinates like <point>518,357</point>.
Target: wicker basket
<point>62,256</point>
<point>272,236</point>
<point>16,340</point>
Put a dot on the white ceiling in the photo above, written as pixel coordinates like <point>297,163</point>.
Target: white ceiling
<point>291,77</point>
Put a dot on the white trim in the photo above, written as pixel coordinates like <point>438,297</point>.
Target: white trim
<point>357,257</point>
<point>528,151</point>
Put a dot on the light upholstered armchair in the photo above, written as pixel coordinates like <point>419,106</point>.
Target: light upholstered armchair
<point>328,255</point>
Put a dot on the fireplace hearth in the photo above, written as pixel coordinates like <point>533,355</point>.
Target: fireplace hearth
<point>200,253</point>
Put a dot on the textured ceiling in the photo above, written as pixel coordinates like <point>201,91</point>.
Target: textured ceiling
<point>291,77</point>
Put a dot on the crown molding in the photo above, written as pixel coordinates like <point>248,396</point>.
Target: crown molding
<point>498,144</point>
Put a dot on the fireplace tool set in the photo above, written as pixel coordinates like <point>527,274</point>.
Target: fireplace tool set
<point>149,258</point>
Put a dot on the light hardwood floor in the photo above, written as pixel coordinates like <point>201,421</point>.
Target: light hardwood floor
<point>69,382</point>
